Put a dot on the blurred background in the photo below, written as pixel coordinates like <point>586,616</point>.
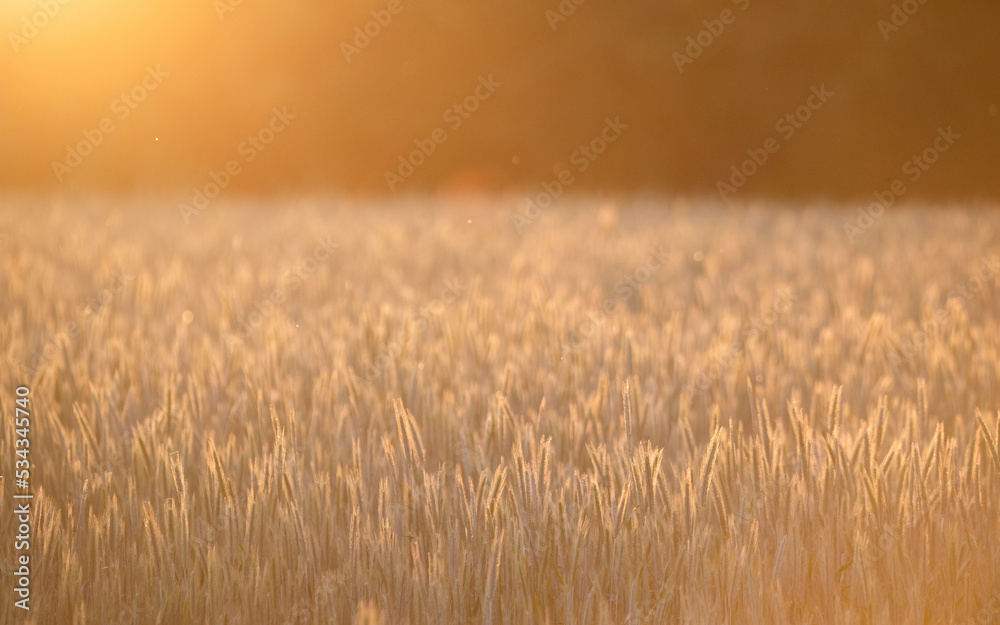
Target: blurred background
<point>310,96</point>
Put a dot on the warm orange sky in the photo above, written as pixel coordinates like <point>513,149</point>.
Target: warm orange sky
<point>210,76</point>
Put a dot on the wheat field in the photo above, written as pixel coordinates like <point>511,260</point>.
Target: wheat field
<point>641,411</point>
